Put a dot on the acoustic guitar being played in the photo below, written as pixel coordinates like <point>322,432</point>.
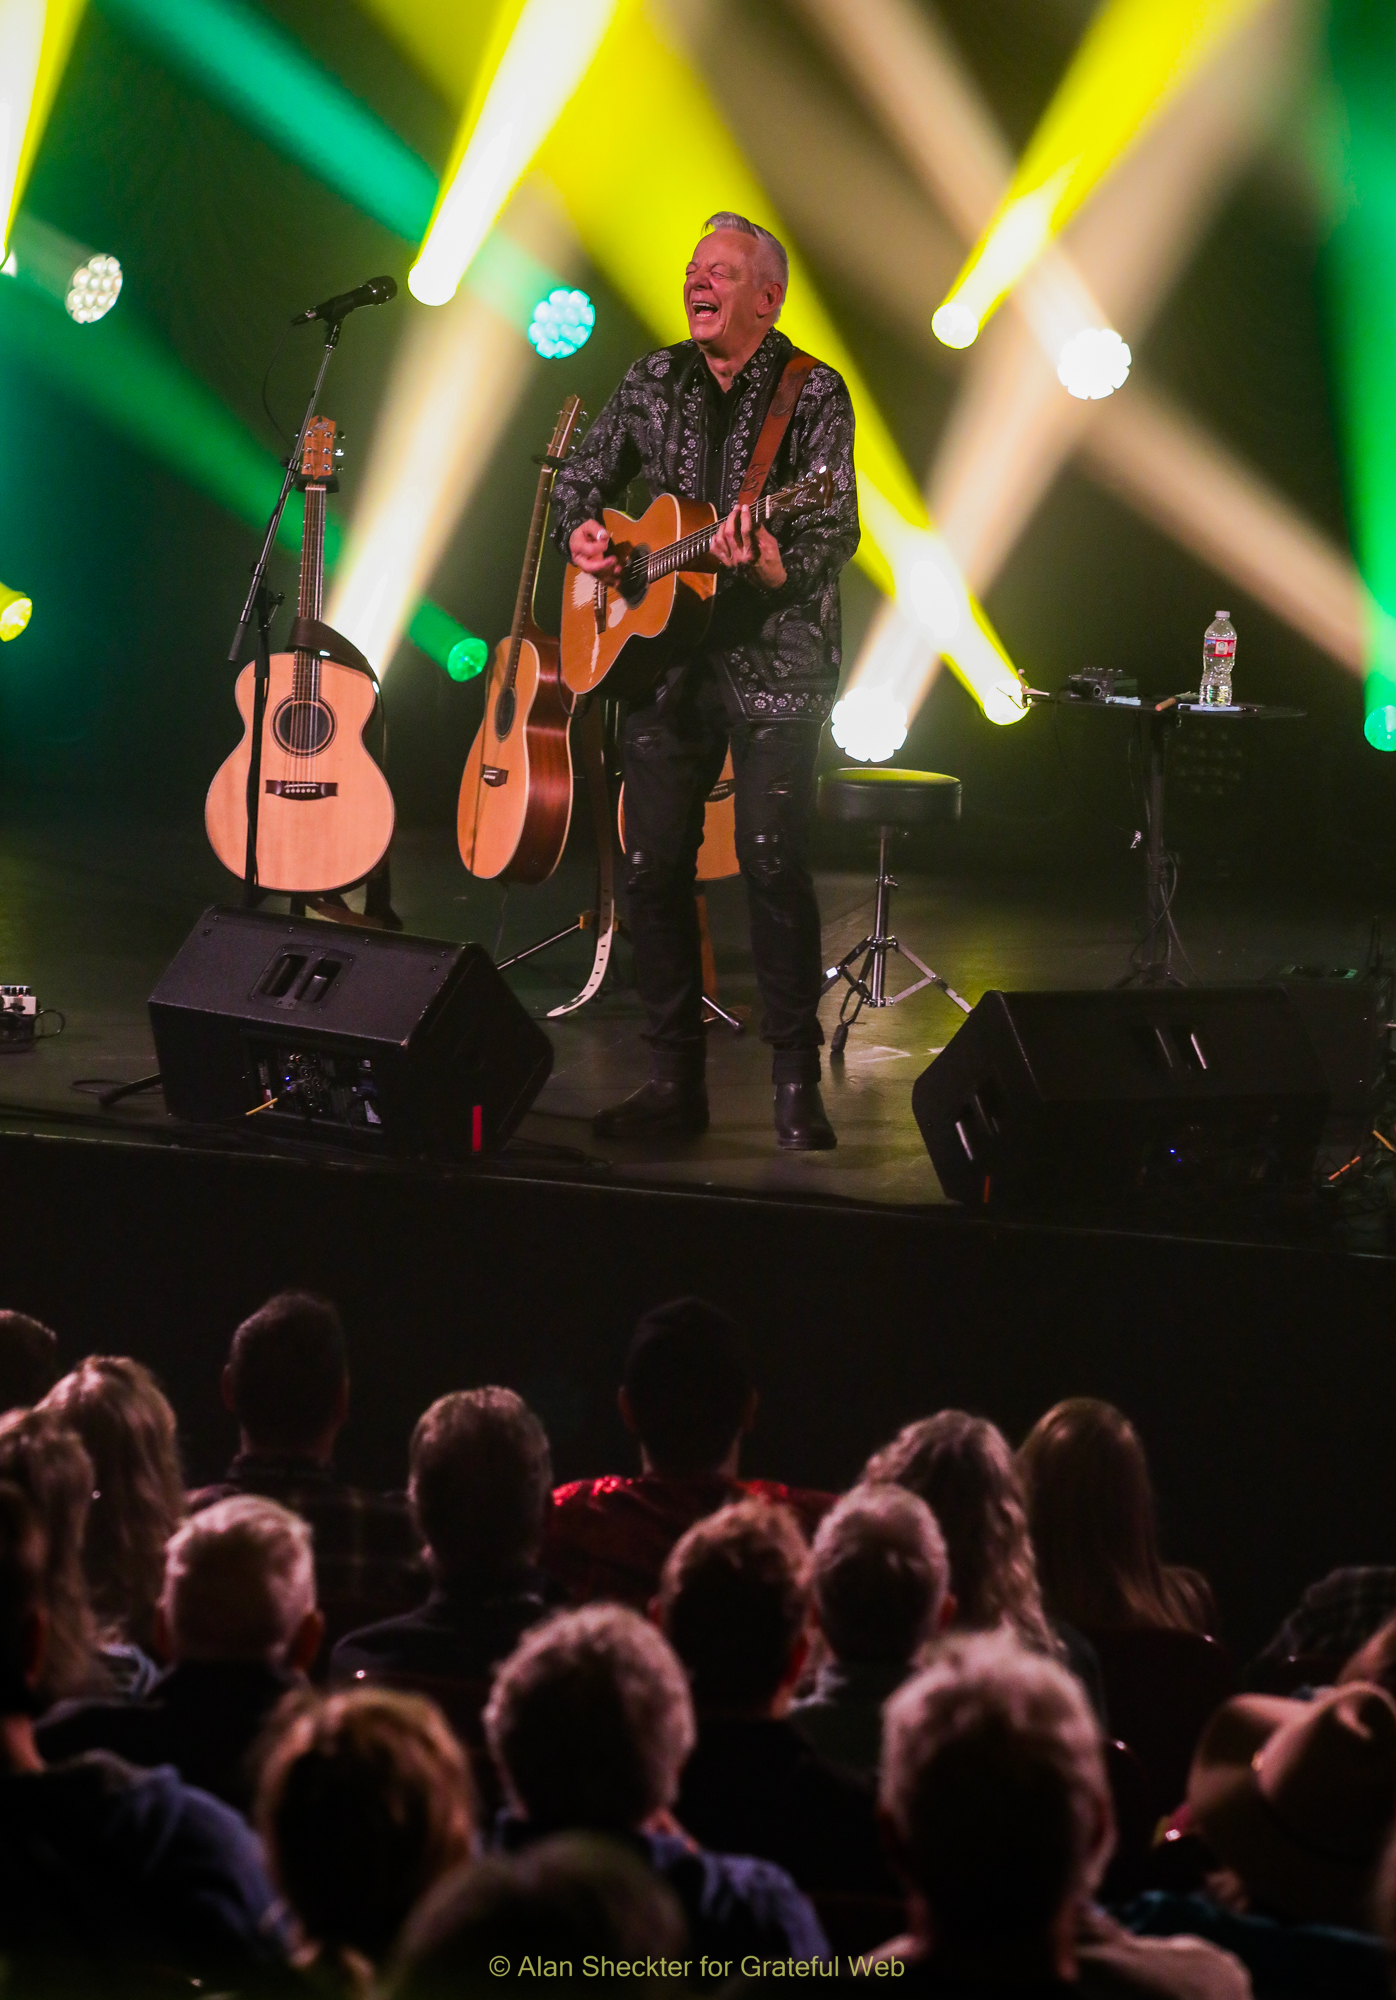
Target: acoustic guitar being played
<point>628,632</point>
<point>515,801</point>
<point>325,813</point>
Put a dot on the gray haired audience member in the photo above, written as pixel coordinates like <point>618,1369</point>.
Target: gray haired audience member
<point>997,1812</point>
<point>238,1618</point>
<point>28,1361</point>
<point>590,1724</point>
<point>880,1578</point>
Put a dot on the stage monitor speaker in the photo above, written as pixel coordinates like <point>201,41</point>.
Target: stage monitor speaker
<point>368,1038</point>
<point>1116,1096</point>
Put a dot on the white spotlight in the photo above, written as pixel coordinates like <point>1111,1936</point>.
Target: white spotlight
<point>869,724</point>
<point>95,288</point>
<point>954,325</point>
<point>1094,363</point>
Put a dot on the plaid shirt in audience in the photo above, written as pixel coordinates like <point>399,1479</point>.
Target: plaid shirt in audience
<point>368,1555</point>
<point>1337,1614</point>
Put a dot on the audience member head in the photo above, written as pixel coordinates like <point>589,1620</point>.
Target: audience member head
<point>28,1361</point>
<point>574,1895</point>
<point>23,1601</point>
<point>687,1393</point>
<point>117,1409</point>
<point>590,1722</point>
<point>240,1585</point>
<point>287,1378</point>
<point>364,1802</point>
<point>49,1464</point>
<point>479,1481</point>
<point>962,1468</point>
<point>880,1576</point>
<point>733,1601</point>
<point>995,1804</point>
<point>1297,1800</point>
<point>1092,1519</point>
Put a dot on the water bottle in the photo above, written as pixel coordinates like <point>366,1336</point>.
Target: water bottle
<point>1218,658</point>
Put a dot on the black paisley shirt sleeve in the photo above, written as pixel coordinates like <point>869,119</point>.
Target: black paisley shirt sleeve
<point>779,651</point>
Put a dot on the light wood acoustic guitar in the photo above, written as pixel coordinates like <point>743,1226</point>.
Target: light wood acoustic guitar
<point>628,632</point>
<point>325,816</point>
<point>515,801</point>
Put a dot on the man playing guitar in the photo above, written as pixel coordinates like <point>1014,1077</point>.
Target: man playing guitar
<point>686,420</point>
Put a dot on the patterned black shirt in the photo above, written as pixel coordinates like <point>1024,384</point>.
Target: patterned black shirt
<point>669,426</point>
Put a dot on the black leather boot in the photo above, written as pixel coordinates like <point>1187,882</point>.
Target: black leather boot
<point>802,1124</point>
<point>656,1110</point>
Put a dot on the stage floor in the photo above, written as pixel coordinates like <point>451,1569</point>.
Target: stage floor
<point>89,916</point>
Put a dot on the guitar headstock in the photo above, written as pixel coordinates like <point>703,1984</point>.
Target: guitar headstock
<point>568,418</point>
<point>317,467</point>
<point>816,489</point>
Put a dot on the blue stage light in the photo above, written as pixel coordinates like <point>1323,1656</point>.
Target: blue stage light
<point>561,323</point>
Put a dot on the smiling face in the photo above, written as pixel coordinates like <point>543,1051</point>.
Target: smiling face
<point>729,295</point>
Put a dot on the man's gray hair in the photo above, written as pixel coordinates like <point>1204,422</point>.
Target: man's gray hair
<point>773,250</point>
<point>480,1477</point>
<point>994,1780</point>
<point>239,1581</point>
<point>590,1722</point>
<point>880,1574</point>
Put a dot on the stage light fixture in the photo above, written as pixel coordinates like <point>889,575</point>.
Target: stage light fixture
<point>1379,727</point>
<point>444,639</point>
<point>15,612</point>
<point>561,323</point>
<point>1094,363</point>
<point>85,281</point>
<point>1135,56</point>
<point>869,724</point>
<point>552,45</point>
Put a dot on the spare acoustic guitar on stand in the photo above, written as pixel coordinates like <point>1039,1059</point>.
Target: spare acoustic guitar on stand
<point>325,813</point>
<point>516,792</point>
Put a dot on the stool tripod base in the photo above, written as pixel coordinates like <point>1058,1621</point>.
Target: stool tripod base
<point>868,986</point>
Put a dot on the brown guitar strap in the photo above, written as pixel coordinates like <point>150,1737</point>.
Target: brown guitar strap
<point>311,636</point>
<point>776,425</point>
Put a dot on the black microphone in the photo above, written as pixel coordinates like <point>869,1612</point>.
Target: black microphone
<point>376,292</point>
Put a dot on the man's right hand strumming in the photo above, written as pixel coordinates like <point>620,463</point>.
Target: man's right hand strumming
<point>590,549</point>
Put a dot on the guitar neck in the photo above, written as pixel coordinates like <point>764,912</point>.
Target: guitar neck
<point>523,603</point>
<point>311,595</point>
<point>682,555</point>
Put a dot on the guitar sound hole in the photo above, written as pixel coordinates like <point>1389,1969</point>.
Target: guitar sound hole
<point>504,714</point>
<point>303,727</point>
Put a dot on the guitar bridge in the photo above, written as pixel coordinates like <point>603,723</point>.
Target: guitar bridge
<point>303,788</point>
<point>494,774</point>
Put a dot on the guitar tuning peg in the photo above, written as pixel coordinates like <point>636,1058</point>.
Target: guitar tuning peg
<point>339,451</point>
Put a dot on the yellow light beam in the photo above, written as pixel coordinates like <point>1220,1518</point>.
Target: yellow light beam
<point>1134,58</point>
<point>641,232</point>
<point>537,57</point>
<point>35,37</point>
<point>1138,446</point>
<point>456,382</point>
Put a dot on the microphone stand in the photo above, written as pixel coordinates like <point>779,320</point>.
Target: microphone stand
<point>261,604</point>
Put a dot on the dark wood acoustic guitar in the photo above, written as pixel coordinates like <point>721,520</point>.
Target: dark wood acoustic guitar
<point>515,801</point>
<point>628,632</point>
<point>325,816</point>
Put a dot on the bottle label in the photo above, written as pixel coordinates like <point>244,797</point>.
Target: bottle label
<point>1221,649</point>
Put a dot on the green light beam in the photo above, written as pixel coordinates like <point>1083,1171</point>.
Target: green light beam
<point>135,385</point>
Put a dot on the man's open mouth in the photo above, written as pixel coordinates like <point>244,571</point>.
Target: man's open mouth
<point>701,307</point>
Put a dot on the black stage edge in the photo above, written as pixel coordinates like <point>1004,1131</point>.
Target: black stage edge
<point>1262,1375</point>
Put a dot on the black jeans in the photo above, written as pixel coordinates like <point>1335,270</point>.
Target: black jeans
<point>672,754</point>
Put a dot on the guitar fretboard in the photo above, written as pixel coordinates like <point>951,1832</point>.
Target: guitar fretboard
<point>311,595</point>
<point>647,569</point>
